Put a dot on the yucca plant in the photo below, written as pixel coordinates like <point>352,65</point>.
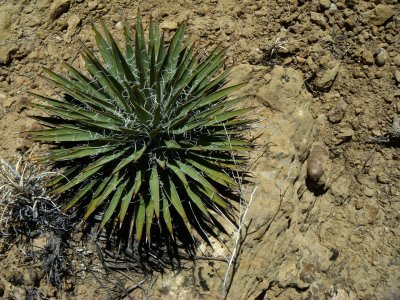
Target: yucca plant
<point>148,134</point>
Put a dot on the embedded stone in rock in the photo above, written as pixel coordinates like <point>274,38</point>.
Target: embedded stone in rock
<point>307,274</point>
<point>302,137</point>
<point>58,8</point>
<point>317,164</point>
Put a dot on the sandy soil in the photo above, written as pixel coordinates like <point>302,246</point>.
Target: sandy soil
<point>339,59</point>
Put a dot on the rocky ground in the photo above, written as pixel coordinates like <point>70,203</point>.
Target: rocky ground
<point>324,75</point>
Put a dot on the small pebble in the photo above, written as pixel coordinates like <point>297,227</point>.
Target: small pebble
<point>119,25</point>
<point>393,191</point>
<point>397,76</point>
<point>380,57</point>
<point>8,102</point>
<point>336,114</point>
<point>357,73</point>
<point>333,7</point>
<point>92,5</point>
<point>368,57</point>
<point>325,4</point>
<point>376,132</point>
<point>368,192</point>
<point>318,19</point>
<point>378,75</point>
<point>358,204</point>
<point>300,59</point>
<point>396,60</point>
<point>382,178</point>
<point>345,133</point>
<point>169,25</point>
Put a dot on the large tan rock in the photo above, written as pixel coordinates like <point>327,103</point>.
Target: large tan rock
<point>380,14</point>
<point>279,177</point>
